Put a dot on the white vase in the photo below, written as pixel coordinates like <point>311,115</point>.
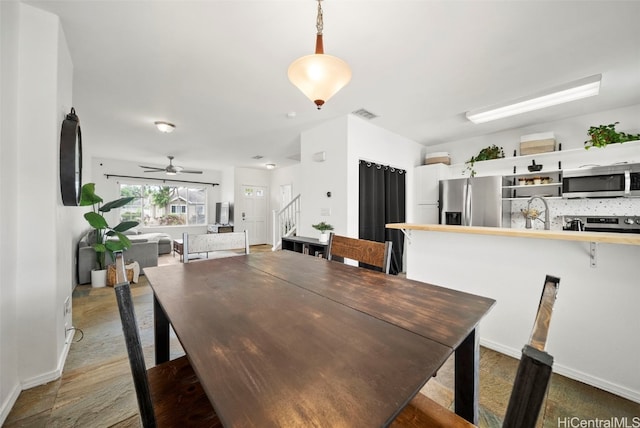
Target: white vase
<point>324,237</point>
<point>99,278</point>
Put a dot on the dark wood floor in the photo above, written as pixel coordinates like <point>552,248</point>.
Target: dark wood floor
<point>96,389</point>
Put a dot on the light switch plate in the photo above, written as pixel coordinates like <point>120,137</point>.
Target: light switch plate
<point>325,212</point>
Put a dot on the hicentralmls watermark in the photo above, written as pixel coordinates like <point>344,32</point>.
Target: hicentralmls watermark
<point>612,422</point>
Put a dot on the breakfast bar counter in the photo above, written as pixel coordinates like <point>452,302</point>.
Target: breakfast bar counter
<point>563,235</point>
<point>593,335</point>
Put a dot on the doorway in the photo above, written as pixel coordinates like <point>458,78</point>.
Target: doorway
<point>382,200</point>
<point>252,213</point>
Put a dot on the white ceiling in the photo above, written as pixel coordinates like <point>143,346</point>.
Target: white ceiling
<point>218,69</point>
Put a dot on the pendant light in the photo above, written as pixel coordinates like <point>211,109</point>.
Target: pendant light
<point>319,76</point>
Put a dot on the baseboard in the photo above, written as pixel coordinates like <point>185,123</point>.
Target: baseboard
<point>43,378</point>
<point>7,405</point>
<point>571,373</point>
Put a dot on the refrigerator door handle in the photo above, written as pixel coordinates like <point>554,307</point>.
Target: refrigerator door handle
<point>468,206</point>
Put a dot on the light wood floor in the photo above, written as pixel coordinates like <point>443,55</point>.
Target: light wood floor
<point>96,389</point>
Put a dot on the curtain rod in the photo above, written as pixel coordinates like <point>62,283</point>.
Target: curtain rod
<point>159,179</point>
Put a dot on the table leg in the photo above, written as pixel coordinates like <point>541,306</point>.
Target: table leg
<point>161,332</point>
<point>467,369</point>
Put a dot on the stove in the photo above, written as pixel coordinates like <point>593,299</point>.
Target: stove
<point>619,224</point>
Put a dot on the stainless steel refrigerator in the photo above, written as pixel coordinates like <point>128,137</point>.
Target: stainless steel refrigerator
<point>471,201</point>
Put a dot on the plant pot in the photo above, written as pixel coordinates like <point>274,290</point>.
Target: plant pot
<point>324,237</point>
<point>99,278</point>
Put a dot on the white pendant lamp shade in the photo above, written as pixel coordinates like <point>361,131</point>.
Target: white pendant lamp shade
<point>319,76</point>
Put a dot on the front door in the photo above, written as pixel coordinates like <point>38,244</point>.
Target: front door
<point>253,213</point>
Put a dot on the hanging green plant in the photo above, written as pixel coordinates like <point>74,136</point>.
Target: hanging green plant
<point>603,135</point>
<point>488,153</point>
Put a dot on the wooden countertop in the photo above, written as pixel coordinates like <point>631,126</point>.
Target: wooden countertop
<point>564,235</point>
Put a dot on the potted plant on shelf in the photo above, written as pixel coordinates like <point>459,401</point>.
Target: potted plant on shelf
<point>603,135</point>
<point>323,228</point>
<point>106,238</point>
<point>488,153</point>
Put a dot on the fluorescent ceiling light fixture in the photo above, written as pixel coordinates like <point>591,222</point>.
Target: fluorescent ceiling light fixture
<point>165,127</point>
<point>583,88</point>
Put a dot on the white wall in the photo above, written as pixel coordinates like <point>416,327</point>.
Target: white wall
<point>9,378</point>
<point>345,141</point>
<point>595,322</point>
<point>109,189</point>
<point>283,176</point>
<point>39,235</point>
<point>318,178</point>
<point>571,132</point>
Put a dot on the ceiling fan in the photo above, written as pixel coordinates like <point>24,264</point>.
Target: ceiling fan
<point>170,169</point>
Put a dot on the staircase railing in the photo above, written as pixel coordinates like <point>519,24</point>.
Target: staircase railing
<point>285,222</point>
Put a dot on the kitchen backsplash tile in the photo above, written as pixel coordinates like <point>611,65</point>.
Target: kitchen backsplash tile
<point>566,207</point>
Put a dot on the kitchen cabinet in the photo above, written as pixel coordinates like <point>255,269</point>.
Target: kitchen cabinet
<point>427,179</point>
<point>525,185</point>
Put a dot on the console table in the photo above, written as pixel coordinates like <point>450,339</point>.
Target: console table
<point>304,245</point>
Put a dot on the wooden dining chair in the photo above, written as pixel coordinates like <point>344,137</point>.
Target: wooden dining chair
<point>529,387</point>
<point>377,254</point>
<point>169,394</point>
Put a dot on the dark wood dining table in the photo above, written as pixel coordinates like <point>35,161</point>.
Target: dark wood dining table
<point>283,339</point>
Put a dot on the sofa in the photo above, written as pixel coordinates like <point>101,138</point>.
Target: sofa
<point>145,248</point>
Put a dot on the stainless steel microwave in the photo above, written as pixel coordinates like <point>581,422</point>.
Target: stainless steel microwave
<point>602,182</point>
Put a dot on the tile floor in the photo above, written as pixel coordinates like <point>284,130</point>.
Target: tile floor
<point>96,389</point>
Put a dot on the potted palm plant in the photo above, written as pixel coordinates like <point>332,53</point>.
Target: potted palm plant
<point>323,228</point>
<point>107,238</point>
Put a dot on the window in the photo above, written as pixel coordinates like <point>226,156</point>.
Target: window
<point>164,205</point>
<point>178,209</point>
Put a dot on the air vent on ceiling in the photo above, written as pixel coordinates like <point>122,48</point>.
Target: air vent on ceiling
<point>257,157</point>
<point>365,114</point>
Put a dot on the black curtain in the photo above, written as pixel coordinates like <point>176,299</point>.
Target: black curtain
<point>382,201</point>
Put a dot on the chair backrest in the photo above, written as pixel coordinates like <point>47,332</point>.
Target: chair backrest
<point>134,345</point>
<point>373,253</point>
<point>210,242</point>
<point>534,370</point>
<point>529,386</point>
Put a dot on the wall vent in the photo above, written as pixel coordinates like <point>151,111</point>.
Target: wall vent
<point>365,114</point>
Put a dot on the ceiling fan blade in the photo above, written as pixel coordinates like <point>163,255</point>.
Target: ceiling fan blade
<point>190,171</point>
<point>151,167</point>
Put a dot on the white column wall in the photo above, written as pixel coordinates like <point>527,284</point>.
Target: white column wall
<point>46,230</point>
<point>39,234</point>
<point>318,178</point>
<point>9,378</point>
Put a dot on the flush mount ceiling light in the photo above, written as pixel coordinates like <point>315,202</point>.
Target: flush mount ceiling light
<point>165,127</point>
<point>271,165</point>
<point>319,76</point>
<point>583,88</point>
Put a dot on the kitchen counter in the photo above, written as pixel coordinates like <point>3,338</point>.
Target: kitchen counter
<point>564,235</point>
